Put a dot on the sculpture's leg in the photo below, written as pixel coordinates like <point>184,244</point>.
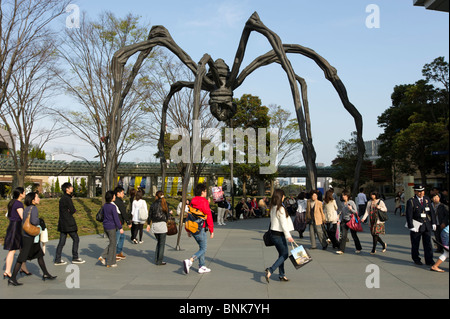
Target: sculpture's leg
<point>195,144</point>
<point>176,87</point>
<point>331,75</point>
<point>255,24</point>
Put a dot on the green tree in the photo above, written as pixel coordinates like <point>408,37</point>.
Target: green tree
<point>57,186</point>
<point>83,188</point>
<point>345,163</point>
<point>416,124</point>
<point>250,114</point>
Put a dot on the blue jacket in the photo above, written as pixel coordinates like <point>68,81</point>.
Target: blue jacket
<point>111,217</point>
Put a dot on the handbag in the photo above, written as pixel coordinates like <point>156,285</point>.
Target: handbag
<point>354,224</point>
<point>171,227</point>
<point>382,216</point>
<point>29,228</point>
<point>267,237</point>
<point>299,256</point>
<point>100,216</point>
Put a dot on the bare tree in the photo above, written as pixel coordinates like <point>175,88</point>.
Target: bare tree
<point>23,24</point>
<point>88,52</point>
<point>289,141</point>
<point>26,104</point>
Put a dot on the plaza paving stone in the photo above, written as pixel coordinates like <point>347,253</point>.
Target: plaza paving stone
<point>237,257</point>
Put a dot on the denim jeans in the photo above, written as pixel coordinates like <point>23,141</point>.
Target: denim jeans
<point>160,245</point>
<point>62,242</point>
<point>202,242</point>
<point>120,240</point>
<point>283,254</point>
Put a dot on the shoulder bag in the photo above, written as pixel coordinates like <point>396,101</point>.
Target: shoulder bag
<point>382,216</point>
<point>267,237</point>
<point>29,228</point>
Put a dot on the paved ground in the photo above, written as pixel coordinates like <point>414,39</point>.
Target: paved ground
<point>238,257</point>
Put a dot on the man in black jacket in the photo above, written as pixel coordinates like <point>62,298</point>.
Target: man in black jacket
<point>124,217</point>
<point>67,226</point>
<point>421,220</point>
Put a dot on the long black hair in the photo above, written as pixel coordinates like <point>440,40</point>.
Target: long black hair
<point>16,193</point>
<point>277,199</point>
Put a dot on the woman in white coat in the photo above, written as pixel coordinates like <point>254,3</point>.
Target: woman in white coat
<point>280,227</point>
<point>139,204</point>
<point>376,226</point>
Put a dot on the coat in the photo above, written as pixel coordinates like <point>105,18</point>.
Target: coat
<point>66,222</point>
<point>414,211</point>
<point>319,217</point>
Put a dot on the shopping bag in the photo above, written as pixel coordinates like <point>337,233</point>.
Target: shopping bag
<point>355,224</point>
<point>338,231</point>
<point>299,256</point>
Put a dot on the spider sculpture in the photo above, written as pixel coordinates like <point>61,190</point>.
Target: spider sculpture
<point>220,82</point>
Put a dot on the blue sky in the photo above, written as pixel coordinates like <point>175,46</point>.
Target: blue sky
<point>370,61</point>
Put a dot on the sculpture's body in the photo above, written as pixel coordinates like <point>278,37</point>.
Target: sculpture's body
<point>221,82</point>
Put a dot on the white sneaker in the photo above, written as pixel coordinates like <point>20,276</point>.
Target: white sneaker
<point>204,269</point>
<point>187,264</point>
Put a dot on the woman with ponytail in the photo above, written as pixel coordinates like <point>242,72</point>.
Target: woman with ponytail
<point>157,218</point>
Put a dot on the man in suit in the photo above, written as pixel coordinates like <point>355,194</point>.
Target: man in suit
<point>419,209</point>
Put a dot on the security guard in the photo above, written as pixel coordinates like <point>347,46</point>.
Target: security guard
<point>421,220</point>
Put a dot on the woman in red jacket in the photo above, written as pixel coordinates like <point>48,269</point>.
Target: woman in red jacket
<point>201,203</point>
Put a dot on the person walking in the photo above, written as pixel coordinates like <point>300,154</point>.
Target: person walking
<point>13,238</point>
<point>31,247</point>
<point>221,210</point>
<point>348,209</point>
<point>280,227</point>
<point>377,226</point>
<point>421,220</point>
<point>300,214</point>
<point>138,224</point>
<point>111,224</point>
<point>124,218</point>
<point>316,219</point>
<point>444,256</point>
<point>157,218</point>
<point>442,218</point>
<point>331,217</point>
<point>67,226</point>
<point>362,202</point>
<point>398,203</point>
<point>201,203</point>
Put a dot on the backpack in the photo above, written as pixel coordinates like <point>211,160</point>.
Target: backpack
<point>194,220</point>
<point>143,212</point>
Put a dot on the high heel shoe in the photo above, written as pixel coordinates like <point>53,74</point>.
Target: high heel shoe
<point>6,275</point>
<point>268,274</point>
<point>48,277</point>
<point>23,272</point>
<point>14,282</point>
